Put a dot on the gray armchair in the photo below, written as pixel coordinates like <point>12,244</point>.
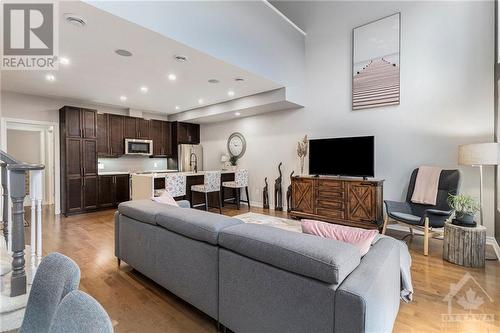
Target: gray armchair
<point>424,217</point>
<point>80,313</point>
<point>56,276</point>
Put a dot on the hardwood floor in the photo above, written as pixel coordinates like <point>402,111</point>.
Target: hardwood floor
<point>137,304</point>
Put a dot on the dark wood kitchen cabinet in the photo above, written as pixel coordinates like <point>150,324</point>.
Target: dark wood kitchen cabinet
<point>186,133</point>
<point>79,147</point>
<point>113,189</point>
<point>161,135</point>
<point>78,122</point>
<point>130,128</point>
<point>116,135</point>
<point>103,148</point>
<point>143,129</point>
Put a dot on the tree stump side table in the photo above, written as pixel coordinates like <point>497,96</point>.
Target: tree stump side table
<point>464,246</point>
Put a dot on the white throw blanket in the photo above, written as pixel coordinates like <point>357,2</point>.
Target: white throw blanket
<point>426,185</point>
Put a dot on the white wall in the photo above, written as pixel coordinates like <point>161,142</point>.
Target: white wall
<point>446,95</point>
<point>247,34</point>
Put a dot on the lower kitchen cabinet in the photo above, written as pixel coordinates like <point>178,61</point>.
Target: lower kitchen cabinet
<point>113,189</point>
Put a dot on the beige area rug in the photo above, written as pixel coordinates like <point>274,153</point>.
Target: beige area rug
<point>272,221</point>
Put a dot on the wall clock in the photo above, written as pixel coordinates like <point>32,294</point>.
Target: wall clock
<point>236,145</point>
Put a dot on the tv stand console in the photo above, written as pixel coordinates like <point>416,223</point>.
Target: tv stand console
<point>347,201</point>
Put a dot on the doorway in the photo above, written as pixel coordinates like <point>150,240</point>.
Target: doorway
<point>35,142</point>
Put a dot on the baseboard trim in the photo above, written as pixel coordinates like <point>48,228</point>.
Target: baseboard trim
<point>490,240</point>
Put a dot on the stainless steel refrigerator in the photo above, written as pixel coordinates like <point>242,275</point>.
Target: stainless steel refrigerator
<point>190,157</point>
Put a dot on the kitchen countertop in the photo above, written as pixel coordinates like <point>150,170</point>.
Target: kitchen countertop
<point>188,173</point>
<point>106,173</point>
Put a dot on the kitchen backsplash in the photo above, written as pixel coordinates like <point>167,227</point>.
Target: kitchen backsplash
<point>129,163</point>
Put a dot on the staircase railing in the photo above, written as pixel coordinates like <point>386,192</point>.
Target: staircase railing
<point>13,175</point>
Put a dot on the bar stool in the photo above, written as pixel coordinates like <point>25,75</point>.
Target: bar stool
<point>240,181</point>
<point>211,183</point>
<point>175,184</point>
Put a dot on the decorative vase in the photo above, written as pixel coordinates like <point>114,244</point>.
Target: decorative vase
<point>302,159</point>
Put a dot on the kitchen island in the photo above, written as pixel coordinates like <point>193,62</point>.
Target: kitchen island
<point>144,186</point>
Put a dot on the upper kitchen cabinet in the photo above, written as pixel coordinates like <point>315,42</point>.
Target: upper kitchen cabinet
<point>186,133</point>
<point>78,122</point>
<point>116,135</point>
<point>110,135</point>
<point>143,129</point>
<point>161,135</point>
<point>103,148</point>
<point>130,128</point>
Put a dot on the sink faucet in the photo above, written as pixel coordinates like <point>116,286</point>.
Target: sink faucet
<point>195,162</point>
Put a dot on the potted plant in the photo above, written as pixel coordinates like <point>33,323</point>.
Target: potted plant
<point>465,208</point>
<point>233,160</point>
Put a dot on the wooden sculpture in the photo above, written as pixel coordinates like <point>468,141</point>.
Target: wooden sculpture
<point>278,191</point>
<point>289,195</point>
<point>265,195</point>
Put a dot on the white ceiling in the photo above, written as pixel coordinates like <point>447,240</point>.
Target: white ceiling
<point>96,74</point>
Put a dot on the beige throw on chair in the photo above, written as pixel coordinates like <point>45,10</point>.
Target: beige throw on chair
<point>426,185</point>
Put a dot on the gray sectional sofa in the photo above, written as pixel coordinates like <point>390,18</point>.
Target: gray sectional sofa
<point>254,278</point>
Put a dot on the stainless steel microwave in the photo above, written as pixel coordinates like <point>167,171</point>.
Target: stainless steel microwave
<point>138,147</point>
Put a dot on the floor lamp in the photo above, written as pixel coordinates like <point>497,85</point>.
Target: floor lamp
<point>479,154</point>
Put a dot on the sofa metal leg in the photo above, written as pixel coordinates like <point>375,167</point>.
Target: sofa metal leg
<point>206,201</point>
<point>119,261</point>
<point>426,236</point>
<point>385,225</point>
<point>411,232</point>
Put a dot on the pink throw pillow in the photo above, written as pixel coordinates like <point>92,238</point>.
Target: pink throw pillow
<point>165,198</point>
<point>358,237</point>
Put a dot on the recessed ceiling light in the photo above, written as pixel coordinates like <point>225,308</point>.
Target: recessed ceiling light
<point>123,98</point>
<point>200,101</point>
<point>237,114</point>
<point>177,107</point>
<point>239,79</point>
<point>64,61</point>
<point>75,20</point>
<point>144,89</point>
<point>213,81</point>
<point>230,93</point>
<point>123,53</point>
<point>180,58</point>
<point>172,77</point>
<point>50,77</point>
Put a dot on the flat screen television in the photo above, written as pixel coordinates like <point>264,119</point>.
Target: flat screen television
<point>353,157</point>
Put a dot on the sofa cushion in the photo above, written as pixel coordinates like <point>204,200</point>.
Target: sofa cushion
<point>143,210</point>
<point>361,238</point>
<point>323,259</point>
<point>195,224</point>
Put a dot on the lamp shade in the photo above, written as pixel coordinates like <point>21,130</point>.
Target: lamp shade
<point>479,154</point>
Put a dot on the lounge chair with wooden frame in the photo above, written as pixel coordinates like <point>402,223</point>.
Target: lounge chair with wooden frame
<point>427,218</point>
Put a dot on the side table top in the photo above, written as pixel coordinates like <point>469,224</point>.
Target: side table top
<point>477,228</point>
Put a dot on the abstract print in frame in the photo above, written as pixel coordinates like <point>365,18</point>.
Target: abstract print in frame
<point>376,63</point>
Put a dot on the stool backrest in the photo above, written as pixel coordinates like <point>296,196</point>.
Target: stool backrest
<point>241,177</point>
<point>175,184</point>
<point>212,181</point>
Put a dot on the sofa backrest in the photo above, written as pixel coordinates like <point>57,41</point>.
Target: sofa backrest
<point>191,223</point>
<point>323,259</point>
